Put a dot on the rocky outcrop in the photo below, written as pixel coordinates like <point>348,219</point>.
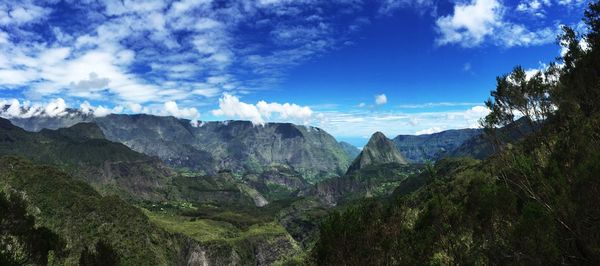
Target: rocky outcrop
<point>379,150</point>
<point>209,255</point>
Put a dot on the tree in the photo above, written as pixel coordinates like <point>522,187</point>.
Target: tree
<point>21,242</point>
<point>103,255</point>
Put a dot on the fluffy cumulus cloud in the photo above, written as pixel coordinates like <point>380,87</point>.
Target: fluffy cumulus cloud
<point>230,106</point>
<point>100,110</point>
<point>380,99</point>
<point>172,109</point>
<point>472,23</point>
<point>284,111</point>
<point>13,108</point>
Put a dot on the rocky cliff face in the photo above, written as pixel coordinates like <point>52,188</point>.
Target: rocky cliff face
<point>235,145</point>
<point>378,151</point>
<point>429,147</point>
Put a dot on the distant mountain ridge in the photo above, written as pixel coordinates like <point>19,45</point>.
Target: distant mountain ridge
<point>351,150</point>
<point>430,147</point>
<point>212,146</point>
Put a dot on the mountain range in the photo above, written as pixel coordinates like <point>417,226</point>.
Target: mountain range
<point>242,147</point>
<point>231,175</point>
<point>239,146</point>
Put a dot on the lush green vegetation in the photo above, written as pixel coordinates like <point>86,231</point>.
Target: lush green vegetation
<point>81,151</point>
<point>534,202</point>
<point>21,242</point>
<point>66,210</point>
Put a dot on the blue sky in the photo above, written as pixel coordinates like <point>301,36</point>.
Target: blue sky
<point>351,67</point>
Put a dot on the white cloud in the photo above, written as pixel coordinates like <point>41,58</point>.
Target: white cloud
<point>14,77</point>
<point>14,108</point>
<point>135,107</point>
<point>231,106</point>
<point>183,42</point>
<point>206,92</point>
<point>470,23</point>
<point>99,111</point>
<point>21,13</point>
<point>364,123</point>
<point>380,99</point>
<point>56,107</point>
<point>259,113</point>
<point>533,7</point>
<point>93,83</point>
<point>285,111</point>
<point>429,131</point>
<point>569,3</point>
<point>473,23</point>
<point>173,109</point>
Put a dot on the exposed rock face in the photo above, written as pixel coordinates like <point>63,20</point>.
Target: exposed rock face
<point>197,255</point>
<point>379,150</point>
<point>429,147</point>
<point>267,252</point>
<point>236,145</point>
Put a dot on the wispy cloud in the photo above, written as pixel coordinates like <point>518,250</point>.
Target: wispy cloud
<point>392,123</point>
<point>436,104</point>
<point>150,52</point>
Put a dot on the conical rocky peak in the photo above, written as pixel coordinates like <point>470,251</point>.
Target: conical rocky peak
<point>379,150</point>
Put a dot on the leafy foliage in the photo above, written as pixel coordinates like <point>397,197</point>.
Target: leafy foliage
<point>21,242</point>
<point>81,217</point>
<point>531,203</point>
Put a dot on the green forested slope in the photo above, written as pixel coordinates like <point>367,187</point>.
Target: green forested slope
<point>83,152</point>
<point>532,203</point>
<point>83,219</point>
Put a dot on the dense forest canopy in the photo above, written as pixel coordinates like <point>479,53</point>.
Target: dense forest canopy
<point>533,202</point>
